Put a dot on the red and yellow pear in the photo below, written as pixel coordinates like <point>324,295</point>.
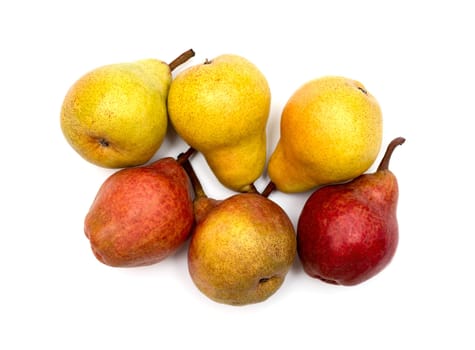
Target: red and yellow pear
<point>141,215</point>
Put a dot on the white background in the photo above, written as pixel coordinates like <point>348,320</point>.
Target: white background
<point>415,57</point>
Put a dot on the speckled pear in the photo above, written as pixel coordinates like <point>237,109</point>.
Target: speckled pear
<point>241,248</point>
<point>221,108</point>
<point>115,116</point>
<point>141,215</point>
<point>331,131</point>
<point>241,251</point>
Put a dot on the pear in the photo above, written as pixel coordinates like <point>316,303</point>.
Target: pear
<point>348,233</point>
<point>221,108</point>
<point>141,215</point>
<point>116,116</point>
<point>241,248</point>
<point>331,131</point>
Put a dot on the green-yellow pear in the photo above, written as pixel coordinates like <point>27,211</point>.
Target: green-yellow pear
<point>330,131</point>
<point>221,108</point>
<point>116,116</point>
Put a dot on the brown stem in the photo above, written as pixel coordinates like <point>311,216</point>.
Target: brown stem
<point>389,151</point>
<point>195,182</point>
<point>269,189</point>
<point>185,56</point>
<point>183,157</point>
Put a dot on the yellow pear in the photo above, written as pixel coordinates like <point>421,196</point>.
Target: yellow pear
<point>331,131</point>
<point>115,116</point>
<point>221,108</point>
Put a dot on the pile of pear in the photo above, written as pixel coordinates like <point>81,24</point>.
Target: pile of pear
<point>241,248</point>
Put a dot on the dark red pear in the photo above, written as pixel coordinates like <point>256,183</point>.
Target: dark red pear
<point>141,215</point>
<point>347,233</point>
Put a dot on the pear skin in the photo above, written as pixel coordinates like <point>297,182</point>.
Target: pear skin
<point>115,116</point>
<point>252,151</point>
<point>221,108</point>
<point>331,131</point>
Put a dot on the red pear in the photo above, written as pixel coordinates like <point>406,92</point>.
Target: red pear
<point>347,233</point>
<point>141,215</point>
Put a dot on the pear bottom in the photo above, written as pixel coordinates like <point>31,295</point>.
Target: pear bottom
<point>286,175</point>
<point>237,167</point>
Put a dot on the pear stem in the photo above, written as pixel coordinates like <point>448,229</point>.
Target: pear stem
<point>269,189</point>
<point>185,56</point>
<point>195,181</point>
<point>183,157</point>
<point>389,151</point>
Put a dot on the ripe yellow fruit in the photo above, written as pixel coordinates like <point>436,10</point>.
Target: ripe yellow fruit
<point>221,108</point>
<point>331,131</point>
<point>115,116</point>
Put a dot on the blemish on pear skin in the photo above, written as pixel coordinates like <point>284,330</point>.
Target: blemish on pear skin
<point>104,142</point>
<point>362,90</point>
